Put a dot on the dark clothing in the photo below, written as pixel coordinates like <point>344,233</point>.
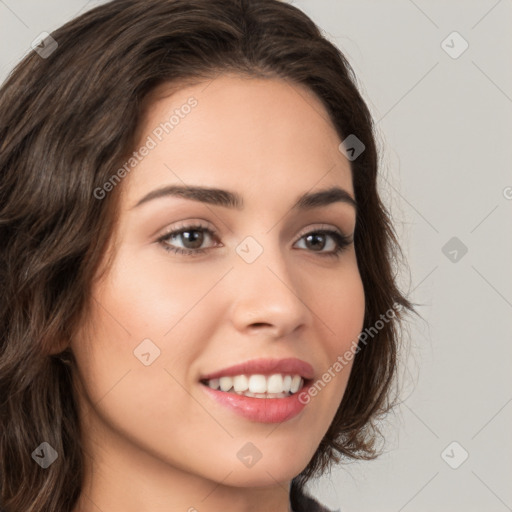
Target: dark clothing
<point>302,502</point>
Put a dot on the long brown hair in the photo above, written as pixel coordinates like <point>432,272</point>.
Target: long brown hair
<point>68,118</point>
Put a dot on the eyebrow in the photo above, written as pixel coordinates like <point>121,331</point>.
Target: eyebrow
<point>227,199</point>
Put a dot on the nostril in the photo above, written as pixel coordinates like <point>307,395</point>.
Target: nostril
<point>269,323</point>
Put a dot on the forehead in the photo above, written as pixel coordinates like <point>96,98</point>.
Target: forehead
<point>262,135</point>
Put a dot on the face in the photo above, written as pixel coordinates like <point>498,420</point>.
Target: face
<point>201,288</point>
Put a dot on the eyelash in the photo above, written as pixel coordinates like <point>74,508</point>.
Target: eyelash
<point>342,241</point>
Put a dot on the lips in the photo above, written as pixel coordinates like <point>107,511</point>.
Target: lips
<point>264,407</point>
<point>290,366</point>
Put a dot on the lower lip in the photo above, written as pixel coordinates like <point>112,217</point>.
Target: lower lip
<point>262,410</point>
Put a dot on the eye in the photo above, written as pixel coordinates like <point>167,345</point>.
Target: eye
<point>319,239</point>
<point>192,237</point>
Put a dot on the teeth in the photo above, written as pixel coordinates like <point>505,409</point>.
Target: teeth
<point>296,384</point>
<point>259,386</point>
<point>275,384</point>
<point>241,383</point>
<point>226,383</point>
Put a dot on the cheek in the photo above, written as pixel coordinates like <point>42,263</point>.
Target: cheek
<point>129,320</point>
<point>143,313</point>
<point>341,309</point>
<point>150,297</point>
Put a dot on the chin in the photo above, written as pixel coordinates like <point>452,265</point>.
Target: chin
<point>266,474</point>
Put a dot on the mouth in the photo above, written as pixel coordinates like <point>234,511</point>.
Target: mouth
<point>261,390</point>
<point>262,378</point>
<point>276,385</point>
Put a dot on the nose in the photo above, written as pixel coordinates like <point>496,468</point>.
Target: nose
<point>270,296</point>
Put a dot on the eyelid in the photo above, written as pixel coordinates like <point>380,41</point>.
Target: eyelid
<point>322,227</point>
<point>186,224</point>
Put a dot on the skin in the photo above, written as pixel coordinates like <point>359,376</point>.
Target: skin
<point>154,441</point>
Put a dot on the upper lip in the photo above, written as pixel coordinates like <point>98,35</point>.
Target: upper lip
<point>289,366</point>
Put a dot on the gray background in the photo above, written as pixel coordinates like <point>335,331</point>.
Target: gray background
<point>444,126</point>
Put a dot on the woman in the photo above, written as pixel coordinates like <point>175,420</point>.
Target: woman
<point>200,310</point>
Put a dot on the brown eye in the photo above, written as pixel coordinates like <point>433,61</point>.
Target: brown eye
<point>316,241</point>
<point>191,238</point>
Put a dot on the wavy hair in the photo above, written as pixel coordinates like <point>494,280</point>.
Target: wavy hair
<point>61,137</point>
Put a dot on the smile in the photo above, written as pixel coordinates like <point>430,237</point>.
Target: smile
<point>258,386</point>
